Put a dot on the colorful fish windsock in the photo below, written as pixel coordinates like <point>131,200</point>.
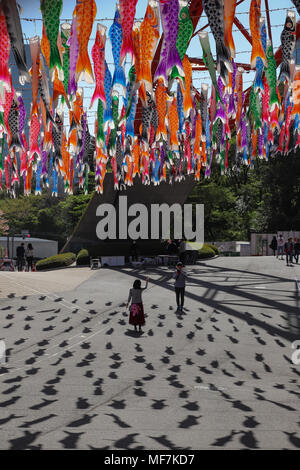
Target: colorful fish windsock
<point>51,11</point>
<point>127,14</point>
<point>98,55</point>
<point>85,14</point>
<point>254,20</point>
<point>214,10</point>
<point>288,43</point>
<point>115,34</point>
<point>11,13</point>
<point>149,35</point>
<point>169,56</point>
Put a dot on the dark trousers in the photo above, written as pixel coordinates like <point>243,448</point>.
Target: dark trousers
<point>29,262</point>
<point>182,257</point>
<point>296,256</point>
<point>289,257</point>
<point>20,263</point>
<point>180,295</point>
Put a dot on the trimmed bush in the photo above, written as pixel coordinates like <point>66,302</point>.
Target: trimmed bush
<point>56,261</point>
<point>213,247</point>
<point>206,252</point>
<point>83,258</point>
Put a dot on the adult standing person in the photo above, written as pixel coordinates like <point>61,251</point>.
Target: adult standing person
<point>133,251</point>
<point>182,251</point>
<point>297,249</point>
<point>273,245</point>
<point>289,251</point>
<point>180,280</point>
<point>29,256</point>
<point>280,246</point>
<point>20,256</point>
<point>136,316</point>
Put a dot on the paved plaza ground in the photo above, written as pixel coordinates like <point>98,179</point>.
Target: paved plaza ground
<point>217,376</point>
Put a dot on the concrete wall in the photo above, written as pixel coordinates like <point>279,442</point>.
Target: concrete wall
<point>234,246</point>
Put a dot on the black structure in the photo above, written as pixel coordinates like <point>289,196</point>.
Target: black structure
<point>84,235</point>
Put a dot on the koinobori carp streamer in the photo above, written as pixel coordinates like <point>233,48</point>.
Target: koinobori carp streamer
<point>153,121</point>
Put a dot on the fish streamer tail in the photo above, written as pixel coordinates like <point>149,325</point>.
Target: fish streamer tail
<point>173,60</point>
<point>84,67</point>
<point>126,48</point>
<point>34,149</point>
<point>99,93</point>
<point>161,131</point>
<point>224,63</point>
<point>55,63</point>
<point>187,103</point>
<point>176,74</point>
<point>258,51</point>
<point>285,71</point>
<point>16,143</point>
<point>119,77</point>
<point>161,71</point>
<point>5,77</point>
<point>258,83</point>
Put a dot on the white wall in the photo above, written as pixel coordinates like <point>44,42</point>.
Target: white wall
<point>260,242</point>
<point>234,246</point>
<point>41,248</point>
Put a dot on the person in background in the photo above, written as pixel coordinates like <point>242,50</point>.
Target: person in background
<point>280,246</point>
<point>133,251</point>
<point>273,245</point>
<point>297,249</point>
<point>20,256</point>
<point>289,251</point>
<point>182,251</point>
<point>136,316</point>
<point>29,256</point>
<point>180,278</point>
<point>171,247</point>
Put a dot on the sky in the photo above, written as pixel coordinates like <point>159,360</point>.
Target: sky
<point>32,26</point>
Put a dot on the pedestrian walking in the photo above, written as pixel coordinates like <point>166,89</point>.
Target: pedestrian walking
<point>137,317</point>
<point>297,249</point>
<point>280,246</point>
<point>20,257</point>
<point>29,256</point>
<point>289,251</point>
<point>273,245</point>
<point>180,279</point>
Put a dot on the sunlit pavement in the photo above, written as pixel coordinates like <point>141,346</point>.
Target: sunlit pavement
<point>220,375</point>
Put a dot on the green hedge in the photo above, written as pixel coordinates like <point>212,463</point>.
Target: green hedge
<point>56,261</point>
<point>206,252</point>
<point>213,247</point>
<point>83,258</point>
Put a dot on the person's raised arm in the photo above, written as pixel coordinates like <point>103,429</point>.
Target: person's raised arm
<point>147,280</point>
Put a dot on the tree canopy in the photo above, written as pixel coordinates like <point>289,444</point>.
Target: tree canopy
<point>265,198</point>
